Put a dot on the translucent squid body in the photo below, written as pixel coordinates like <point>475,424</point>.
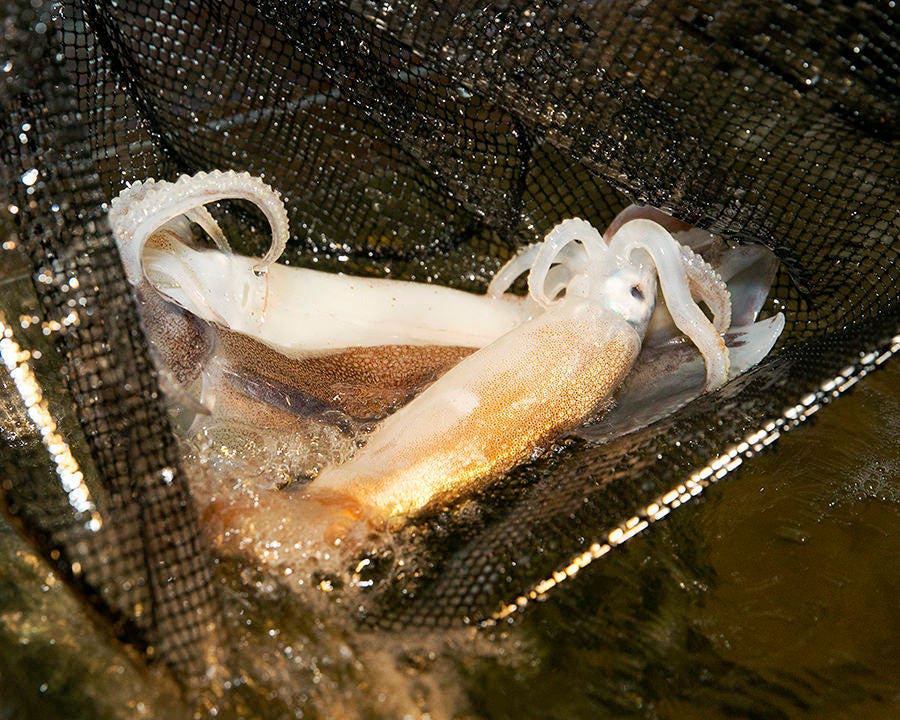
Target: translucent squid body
<point>526,368</point>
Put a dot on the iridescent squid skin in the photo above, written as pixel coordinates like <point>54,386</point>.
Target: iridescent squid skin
<point>539,364</point>
<point>487,414</point>
<point>592,303</point>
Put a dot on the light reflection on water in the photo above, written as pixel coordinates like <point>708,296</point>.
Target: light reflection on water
<point>774,596</point>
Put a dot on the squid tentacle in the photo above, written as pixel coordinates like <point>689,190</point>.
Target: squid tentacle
<point>204,219</point>
<point>510,272</point>
<point>145,206</point>
<point>570,258</point>
<point>664,251</point>
<point>706,283</point>
<point>562,237</point>
<point>558,279</point>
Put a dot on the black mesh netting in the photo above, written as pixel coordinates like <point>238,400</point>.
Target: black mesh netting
<point>434,139</point>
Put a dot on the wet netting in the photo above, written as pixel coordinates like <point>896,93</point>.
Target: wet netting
<point>430,140</point>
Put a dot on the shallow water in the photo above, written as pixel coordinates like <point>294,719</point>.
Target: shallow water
<point>773,595</point>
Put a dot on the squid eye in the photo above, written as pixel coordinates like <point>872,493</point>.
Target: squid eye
<point>637,293</point>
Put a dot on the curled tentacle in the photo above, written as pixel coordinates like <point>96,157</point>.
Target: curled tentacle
<point>146,206</point>
<point>509,273</point>
<point>666,254</point>
<point>202,217</point>
<point>575,260</point>
<point>557,280</point>
<point>559,247</point>
<point>706,283</point>
<point>569,261</point>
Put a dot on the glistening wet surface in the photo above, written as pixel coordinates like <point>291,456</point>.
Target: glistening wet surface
<point>771,596</point>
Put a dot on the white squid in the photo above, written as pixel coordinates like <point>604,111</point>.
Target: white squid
<point>538,365</point>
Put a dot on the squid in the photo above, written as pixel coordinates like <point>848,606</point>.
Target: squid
<point>503,374</point>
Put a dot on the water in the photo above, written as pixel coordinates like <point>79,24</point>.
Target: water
<point>774,596</point>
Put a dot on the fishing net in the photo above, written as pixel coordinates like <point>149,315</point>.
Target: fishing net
<point>429,141</point>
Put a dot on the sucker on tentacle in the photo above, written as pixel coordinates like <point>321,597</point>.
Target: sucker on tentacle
<point>141,209</point>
